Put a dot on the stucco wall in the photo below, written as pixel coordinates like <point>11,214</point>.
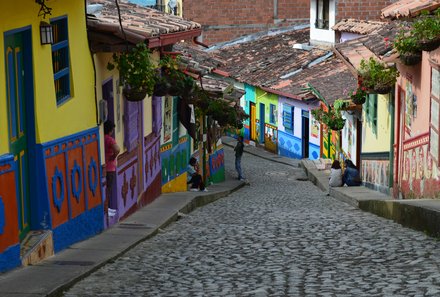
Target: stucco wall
<point>377,140</point>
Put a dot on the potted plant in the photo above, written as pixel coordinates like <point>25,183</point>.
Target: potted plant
<point>359,95</point>
<point>138,74</point>
<point>427,30</point>
<point>408,47</point>
<point>377,76</point>
<point>172,81</point>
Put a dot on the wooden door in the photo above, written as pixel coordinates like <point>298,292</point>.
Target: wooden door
<point>18,143</point>
<point>253,121</point>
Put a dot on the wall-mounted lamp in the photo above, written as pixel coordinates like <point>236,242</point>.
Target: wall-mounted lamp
<point>46,33</point>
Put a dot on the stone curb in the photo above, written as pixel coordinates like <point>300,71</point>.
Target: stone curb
<point>197,201</point>
<point>409,213</point>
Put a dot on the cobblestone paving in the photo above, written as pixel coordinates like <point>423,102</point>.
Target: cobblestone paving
<point>276,237</point>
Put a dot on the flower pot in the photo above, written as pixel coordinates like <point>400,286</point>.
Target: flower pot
<point>358,100</point>
<point>134,94</point>
<point>429,45</point>
<point>411,59</point>
<point>161,89</point>
<point>382,89</point>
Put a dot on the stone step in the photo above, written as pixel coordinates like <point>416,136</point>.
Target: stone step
<point>37,246</point>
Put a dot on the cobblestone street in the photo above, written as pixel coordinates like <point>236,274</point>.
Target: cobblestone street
<point>277,237</point>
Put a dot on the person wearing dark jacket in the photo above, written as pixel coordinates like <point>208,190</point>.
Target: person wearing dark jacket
<point>239,148</point>
<point>351,175</point>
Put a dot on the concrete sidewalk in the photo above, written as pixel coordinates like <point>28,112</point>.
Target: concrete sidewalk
<point>59,272</point>
<point>419,214</point>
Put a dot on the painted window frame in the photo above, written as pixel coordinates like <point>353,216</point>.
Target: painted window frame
<point>288,117</point>
<point>322,18</point>
<point>434,124</point>
<point>272,113</point>
<point>61,51</point>
<point>371,111</point>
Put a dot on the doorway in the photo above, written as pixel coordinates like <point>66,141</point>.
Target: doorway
<point>305,134</point>
<point>262,122</point>
<point>20,104</point>
<point>253,117</point>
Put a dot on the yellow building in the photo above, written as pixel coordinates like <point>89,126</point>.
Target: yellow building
<point>49,140</point>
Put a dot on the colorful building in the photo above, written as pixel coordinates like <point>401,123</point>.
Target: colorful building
<point>276,69</point>
<point>416,125</point>
<point>363,40</point>
<point>50,174</point>
<point>154,144</point>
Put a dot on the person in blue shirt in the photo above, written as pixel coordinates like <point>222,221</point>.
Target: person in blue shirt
<point>351,175</point>
<point>194,177</point>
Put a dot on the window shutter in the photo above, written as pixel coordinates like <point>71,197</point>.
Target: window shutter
<point>131,124</point>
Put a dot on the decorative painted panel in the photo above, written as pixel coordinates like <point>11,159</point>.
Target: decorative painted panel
<point>174,161</point>
<point>289,145</point>
<point>217,166</point>
<point>76,181</point>
<point>127,176</point>
<point>375,174</point>
<point>73,187</point>
<point>8,202</point>
<point>57,186</point>
<point>93,187</point>
<point>313,151</point>
<point>271,138</point>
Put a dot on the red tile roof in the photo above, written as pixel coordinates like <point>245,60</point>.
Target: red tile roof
<point>140,24</point>
<point>377,44</point>
<point>273,64</point>
<point>409,8</point>
<point>357,26</point>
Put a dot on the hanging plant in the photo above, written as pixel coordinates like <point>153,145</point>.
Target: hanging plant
<point>408,48</point>
<point>331,118</point>
<point>137,73</point>
<point>427,30</point>
<point>359,95</point>
<point>172,81</point>
<point>341,104</point>
<point>377,77</point>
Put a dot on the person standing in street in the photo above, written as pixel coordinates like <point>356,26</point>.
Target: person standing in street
<point>239,148</point>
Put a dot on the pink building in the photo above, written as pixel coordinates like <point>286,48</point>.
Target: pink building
<point>417,110</point>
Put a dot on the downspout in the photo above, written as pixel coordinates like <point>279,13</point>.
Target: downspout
<point>94,71</point>
<point>275,10</point>
<point>201,43</point>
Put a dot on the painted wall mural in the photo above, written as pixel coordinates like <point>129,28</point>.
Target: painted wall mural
<point>289,145</point>
<point>152,169</point>
<point>174,165</point>
<point>420,176</point>
<point>217,166</point>
<point>271,138</point>
<point>375,174</point>
<point>73,186</point>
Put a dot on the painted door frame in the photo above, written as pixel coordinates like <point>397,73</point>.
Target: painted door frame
<point>252,121</point>
<point>23,36</point>
<point>305,133</point>
<point>262,122</point>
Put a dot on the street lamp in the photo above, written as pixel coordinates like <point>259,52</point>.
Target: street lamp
<point>46,33</point>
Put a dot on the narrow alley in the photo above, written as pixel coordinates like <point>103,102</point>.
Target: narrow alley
<point>277,237</point>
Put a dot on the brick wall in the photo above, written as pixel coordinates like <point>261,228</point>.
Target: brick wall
<point>224,20</point>
<point>360,9</point>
